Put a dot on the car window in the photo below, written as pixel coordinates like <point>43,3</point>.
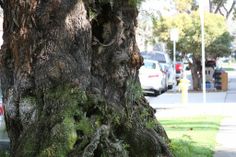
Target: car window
<point>161,58</point>
<point>150,65</point>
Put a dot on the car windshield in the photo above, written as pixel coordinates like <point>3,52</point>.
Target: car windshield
<point>150,65</point>
<point>154,55</point>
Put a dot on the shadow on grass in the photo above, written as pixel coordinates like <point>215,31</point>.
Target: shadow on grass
<point>4,153</point>
<point>229,69</point>
<point>188,148</point>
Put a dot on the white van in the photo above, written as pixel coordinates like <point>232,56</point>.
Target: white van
<point>164,59</point>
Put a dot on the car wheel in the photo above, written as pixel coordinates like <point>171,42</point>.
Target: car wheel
<point>166,87</point>
<point>157,92</point>
<point>170,86</point>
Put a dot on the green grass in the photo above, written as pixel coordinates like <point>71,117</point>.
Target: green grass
<point>192,136</point>
<point>229,69</point>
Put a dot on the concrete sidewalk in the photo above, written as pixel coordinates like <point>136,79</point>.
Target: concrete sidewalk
<point>174,99</point>
<point>226,139</point>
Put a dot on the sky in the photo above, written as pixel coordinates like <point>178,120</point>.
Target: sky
<point>166,7</point>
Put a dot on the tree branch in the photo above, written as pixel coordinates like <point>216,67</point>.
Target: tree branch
<point>210,6</point>
<point>219,6</point>
<point>1,4</point>
<point>230,10</point>
<point>221,12</point>
<point>225,9</point>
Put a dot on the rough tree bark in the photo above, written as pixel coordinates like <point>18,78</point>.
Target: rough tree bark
<point>70,85</point>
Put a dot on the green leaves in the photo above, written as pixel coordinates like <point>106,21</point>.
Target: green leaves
<point>135,2</point>
<point>183,5</point>
<point>216,34</point>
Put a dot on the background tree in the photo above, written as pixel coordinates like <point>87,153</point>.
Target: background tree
<point>70,83</point>
<point>223,7</point>
<point>217,38</point>
<point>184,5</point>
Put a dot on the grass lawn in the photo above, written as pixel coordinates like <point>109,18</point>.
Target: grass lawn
<point>192,136</point>
<point>229,69</point>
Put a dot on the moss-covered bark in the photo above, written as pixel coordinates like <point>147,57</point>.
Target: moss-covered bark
<point>69,73</point>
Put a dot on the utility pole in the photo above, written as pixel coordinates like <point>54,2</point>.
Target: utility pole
<point>201,12</point>
<point>174,36</point>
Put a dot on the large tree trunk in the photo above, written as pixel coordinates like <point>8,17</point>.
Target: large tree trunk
<point>70,86</point>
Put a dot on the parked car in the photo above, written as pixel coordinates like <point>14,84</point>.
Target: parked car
<point>179,69</point>
<point>1,109</point>
<point>1,105</point>
<point>2,122</point>
<point>166,63</point>
<point>152,77</point>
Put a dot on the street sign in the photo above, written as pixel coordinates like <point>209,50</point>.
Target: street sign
<point>174,34</point>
